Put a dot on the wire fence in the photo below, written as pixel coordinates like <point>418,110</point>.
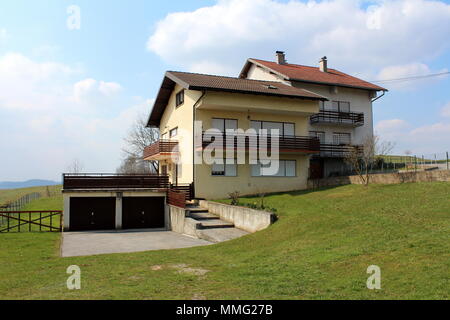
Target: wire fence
<point>398,163</point>
<point>18,204</point>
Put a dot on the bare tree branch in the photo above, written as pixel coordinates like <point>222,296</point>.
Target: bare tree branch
<point>139,137</point>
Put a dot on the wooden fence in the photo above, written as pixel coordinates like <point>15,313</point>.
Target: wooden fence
<point>29,221</point>
<point>176,198</point>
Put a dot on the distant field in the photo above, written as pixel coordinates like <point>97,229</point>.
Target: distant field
<point>10,195</point>
<point>410,159</point>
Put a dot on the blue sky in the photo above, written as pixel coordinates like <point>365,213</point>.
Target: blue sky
<point>67,94</point>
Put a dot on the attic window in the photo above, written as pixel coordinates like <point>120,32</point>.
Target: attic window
<point>179,98</point>
<point>269,86</point>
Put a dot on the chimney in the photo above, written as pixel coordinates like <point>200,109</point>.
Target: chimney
<point>323,64</point>
<point>281,58</point>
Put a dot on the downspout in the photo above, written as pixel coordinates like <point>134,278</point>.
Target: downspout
<point>193,137</point>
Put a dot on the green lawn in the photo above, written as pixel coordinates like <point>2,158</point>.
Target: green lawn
<point>319,248</point>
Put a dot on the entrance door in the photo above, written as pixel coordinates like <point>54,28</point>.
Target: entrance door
<point>316,169</point>
<point>142,212</point>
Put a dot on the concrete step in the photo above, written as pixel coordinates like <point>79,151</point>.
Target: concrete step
<point>215,223</point>
<point>202,216</point>
<point>220,234</point>
<point>196,209</point>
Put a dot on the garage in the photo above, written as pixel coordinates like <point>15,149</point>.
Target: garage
<point>143,212</point>
<point>92,213</point>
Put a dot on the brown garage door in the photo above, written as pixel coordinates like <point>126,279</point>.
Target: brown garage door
<point>142,212</point>
<point>92,213</point>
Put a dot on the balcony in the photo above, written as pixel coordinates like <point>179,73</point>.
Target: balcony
<point>349,119</point>
<point>286,144</point>
<point>114,181</point>
<point>337,150</point>
<point>161,150</point>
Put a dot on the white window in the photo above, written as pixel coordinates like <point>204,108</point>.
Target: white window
<point>318,134</point>
<point>340,106</point>
<point>224,124</point>
<point>173,132</point>
<point>227,170</point>
<point>286,168</point>
<point>341,138</point>
<point>284,128</point>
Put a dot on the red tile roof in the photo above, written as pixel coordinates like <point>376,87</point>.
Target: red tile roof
<point>311,74</point>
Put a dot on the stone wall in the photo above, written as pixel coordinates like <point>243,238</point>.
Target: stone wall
<point>385,178</point>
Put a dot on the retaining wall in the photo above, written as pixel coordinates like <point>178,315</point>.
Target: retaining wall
<point>385,178</point>
<point>243,218</point>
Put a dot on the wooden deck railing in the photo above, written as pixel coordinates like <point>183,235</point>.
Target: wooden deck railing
<point>285,143</point>
<point>335,117</point>
<point>95,181</point>
<point>31,221</point>
<point>337,151</point>
<point>176,198</point>
<point>186,188</point>
<point>161,146</point>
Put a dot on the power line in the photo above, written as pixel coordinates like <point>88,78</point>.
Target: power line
<point>413,77</point>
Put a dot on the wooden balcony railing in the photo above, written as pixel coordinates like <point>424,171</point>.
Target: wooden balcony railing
<point>337,151</point>
<point>161,147</point>
<point>98,181</point>
<point>353,119</point>
<point>285,143</point>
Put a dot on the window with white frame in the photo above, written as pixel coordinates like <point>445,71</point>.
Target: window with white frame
<point>284,128</point>
<point>225,170</point>
<point>224,124</point>
<point>318,134</point>
<point>286,168</point>
<point>341,138</point>
<point>340,106</point>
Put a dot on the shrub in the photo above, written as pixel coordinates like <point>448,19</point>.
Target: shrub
<point>234,196</point>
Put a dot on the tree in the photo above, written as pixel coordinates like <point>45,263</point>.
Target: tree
<point>75,166</point>
<point>139,137</point>
<point>361,158</point>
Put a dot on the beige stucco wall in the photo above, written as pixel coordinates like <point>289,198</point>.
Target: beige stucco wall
<point>181,117</point>
<point>360,101</point>
<point>218,187</point>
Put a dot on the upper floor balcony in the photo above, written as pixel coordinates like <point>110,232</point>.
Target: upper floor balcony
<point>161,150</point>
<point>349,119</point>
<point>286,144</point>
<point>329,150</point>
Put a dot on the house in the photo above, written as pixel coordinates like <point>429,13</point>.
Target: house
<point>318,112</point>
<point>344,119</point>
<point>268,130</point>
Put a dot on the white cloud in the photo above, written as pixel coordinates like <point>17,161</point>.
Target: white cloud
<point>49,116</point>
<point>424,139</point>
<point>3,34</point>
<point>355,39</point>
<point>391,125</point>
<point>89,89</point>
<point>445,111</point>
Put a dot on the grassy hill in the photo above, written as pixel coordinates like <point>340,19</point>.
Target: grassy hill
<point>319,248</point>
<point>10,195</point>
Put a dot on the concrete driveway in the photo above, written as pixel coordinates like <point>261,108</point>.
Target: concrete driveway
<point>104,242</point>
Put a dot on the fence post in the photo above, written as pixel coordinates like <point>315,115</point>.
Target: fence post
<point>447,159</point>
